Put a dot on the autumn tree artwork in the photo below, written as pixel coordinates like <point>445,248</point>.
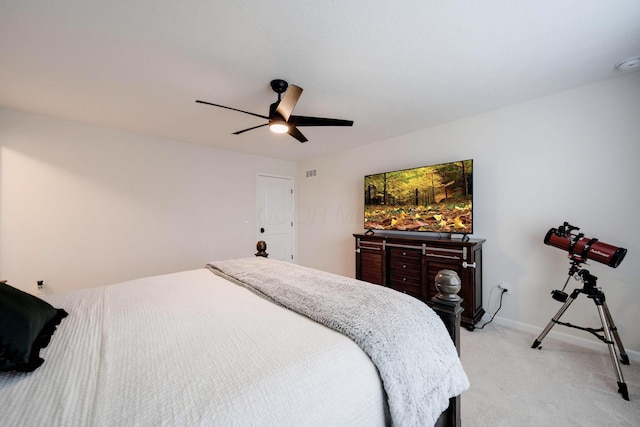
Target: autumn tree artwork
<point>431,198</point>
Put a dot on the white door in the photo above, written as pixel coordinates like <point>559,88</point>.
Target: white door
<point>275,215</point>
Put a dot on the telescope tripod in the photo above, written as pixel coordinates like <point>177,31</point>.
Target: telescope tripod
<point>608,329</point>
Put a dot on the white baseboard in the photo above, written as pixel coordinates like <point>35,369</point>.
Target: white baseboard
<point>579,341</point>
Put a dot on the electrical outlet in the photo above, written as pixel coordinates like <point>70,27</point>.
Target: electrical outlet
<point>40,286</point>
<point>505,286</point>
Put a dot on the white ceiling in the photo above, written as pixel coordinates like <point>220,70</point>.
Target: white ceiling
<point>393,67</point>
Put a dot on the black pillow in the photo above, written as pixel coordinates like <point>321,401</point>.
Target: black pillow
<point>26,326</point>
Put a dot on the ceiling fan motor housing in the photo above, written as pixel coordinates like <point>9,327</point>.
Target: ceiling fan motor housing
<point>279,86</point>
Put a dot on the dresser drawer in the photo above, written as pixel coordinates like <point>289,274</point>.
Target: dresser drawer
<point>404,254</point>
<point>415,290</point>
<point>401,280</point>
<point>404,265</point>
<point>405,258</point>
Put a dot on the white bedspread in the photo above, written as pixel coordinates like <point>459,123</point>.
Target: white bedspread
<point>191,349</point>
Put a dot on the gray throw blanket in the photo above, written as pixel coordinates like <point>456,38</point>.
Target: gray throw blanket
<point>404,338</point>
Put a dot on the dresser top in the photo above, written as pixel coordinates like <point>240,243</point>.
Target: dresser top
<point>412,238</point>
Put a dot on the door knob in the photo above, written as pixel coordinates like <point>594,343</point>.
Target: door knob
<point>261,229</point>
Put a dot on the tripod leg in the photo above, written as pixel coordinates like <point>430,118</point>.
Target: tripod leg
<point>622,386</point>
<point>565,306</point>
<point>614,331</point>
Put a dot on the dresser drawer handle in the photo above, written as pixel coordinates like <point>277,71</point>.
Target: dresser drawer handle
<point>404,279</point>
<point>404,266</point>
<point>443,256</point>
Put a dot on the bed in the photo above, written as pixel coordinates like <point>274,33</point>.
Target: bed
<point>247,342</point>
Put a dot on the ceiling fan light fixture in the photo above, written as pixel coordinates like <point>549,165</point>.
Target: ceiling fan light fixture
<point>279,126</point>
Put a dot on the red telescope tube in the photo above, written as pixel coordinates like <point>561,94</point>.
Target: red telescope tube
<point>585,248</point>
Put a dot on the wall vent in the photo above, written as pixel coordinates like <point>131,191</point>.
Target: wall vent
<point>311,173</point>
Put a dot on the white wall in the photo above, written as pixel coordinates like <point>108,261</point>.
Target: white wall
<point>83,206</point>
<point>571,157</point>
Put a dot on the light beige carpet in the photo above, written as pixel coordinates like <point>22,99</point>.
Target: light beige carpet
<point>560,385</point>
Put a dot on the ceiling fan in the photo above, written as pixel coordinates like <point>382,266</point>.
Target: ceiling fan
<point>280,119</point>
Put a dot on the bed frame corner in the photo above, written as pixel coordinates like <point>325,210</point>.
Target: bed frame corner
<point>447,304</point>
<point>261,247</point>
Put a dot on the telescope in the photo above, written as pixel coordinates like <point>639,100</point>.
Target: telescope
<point>581,248</point>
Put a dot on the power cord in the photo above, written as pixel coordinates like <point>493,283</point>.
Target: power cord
<point>494,314</point>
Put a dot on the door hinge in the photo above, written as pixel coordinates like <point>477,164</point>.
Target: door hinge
<point>292,223</point>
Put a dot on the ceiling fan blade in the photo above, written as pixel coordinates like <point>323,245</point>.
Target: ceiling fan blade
<point>294,132</point>
<point>234,109</point>
<point>289,101</point>
<point>318,121</point>
<point>245,130</point>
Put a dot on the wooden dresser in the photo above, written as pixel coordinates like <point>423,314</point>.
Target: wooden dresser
<point>409,264</point>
